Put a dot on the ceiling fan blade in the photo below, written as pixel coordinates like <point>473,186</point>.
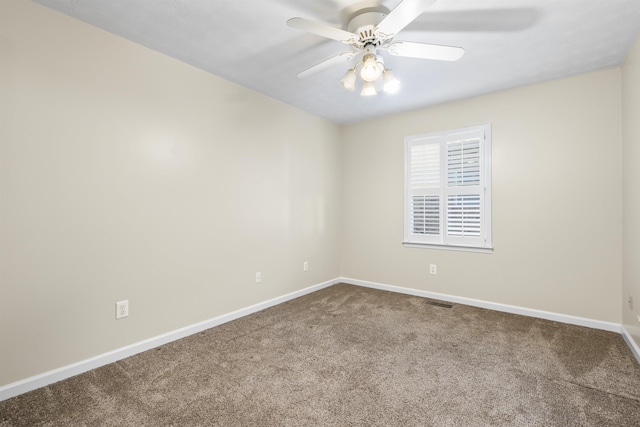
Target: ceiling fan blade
<point>426,51</point>
<point>401,16</point>
<point>339,58</point>
<point>322,30</point>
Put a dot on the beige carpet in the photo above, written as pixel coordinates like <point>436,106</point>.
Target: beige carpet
<point>351,356</point>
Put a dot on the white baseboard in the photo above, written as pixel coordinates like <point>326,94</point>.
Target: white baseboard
<point>631,343</point>
<point>50,377</point>
<point>564,318</point>
<point>19,387</point>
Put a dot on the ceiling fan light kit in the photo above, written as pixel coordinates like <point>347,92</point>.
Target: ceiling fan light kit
<point>372,68</point>
<point>369,76</point>
<point>368,31</point>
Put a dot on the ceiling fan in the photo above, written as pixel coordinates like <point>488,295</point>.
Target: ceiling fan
<point>369,32</point>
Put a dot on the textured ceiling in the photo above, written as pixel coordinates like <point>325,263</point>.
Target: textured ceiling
<point>507,44</point>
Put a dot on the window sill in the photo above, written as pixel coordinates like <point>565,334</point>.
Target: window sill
<point>447,247</point>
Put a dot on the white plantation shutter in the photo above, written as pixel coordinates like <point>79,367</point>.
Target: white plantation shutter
<point>463,162</point>
<point>463,215</point>
<point>425,215</point>
<point>448,188</point>
<point>425,166</point>
<point>424,177</point>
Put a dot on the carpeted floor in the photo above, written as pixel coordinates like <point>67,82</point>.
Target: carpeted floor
<point>352,356</point>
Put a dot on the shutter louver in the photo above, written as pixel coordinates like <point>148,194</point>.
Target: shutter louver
<point>463,162</point>
<point>425,215</point>
<point>463,215</point>
<point>425,166</point>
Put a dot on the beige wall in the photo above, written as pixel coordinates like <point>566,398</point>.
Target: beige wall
<point>556,200</point>
<point>631,191</point>
<point>126,174</point>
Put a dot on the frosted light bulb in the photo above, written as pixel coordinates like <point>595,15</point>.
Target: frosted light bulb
<point>390,83</point>
<point>368,89</point>
<point>349,80</point>
<point>370,71</point>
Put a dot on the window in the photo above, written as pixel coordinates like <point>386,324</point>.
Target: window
<point>448,189</point>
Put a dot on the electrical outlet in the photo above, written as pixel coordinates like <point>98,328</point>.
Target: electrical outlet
<point>305,266</point>
<point>122,309</point>
<point>258,277</point>
<point>638,316</point>
<point>433,269</point>
<point>630,302</point>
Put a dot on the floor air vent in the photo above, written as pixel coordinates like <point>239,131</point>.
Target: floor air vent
<point>438,303</point>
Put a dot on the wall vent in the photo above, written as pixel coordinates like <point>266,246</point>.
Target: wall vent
<point>437,303</point>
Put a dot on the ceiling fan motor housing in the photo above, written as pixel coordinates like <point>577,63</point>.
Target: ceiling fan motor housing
<point>364,25</point>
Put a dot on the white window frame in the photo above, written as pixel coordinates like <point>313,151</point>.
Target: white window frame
<point>479,239</point>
